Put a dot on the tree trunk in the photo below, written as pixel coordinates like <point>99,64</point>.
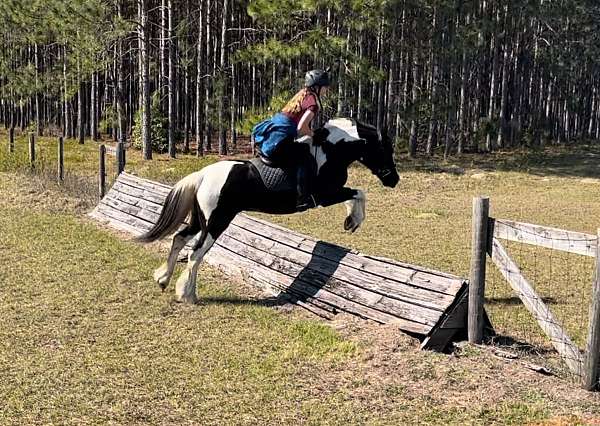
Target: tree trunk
<point>199,92</point>
<point>171,80</point>
<point>208,82</point>
<point>145,68</point>
<point>38,129</point>
<point>491,106</point>
<point>80,113</point>
<point>162,79</point>
<point>67,113</point>
<point>223,76</point>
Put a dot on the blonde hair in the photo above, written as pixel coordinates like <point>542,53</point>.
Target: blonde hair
<point>294,106</point>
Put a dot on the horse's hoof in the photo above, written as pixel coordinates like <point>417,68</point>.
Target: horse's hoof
<point>162,283</point>
<point>189,300</point>
<point>161,278</point>
<point>350,225</point>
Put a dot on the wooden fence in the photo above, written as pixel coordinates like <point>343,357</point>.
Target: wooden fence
<point>488,232</point>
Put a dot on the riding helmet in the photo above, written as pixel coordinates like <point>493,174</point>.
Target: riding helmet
<point>316,78</point>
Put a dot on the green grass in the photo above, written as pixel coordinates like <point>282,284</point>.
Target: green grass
<point>91,340</point>
<point>88,338</point>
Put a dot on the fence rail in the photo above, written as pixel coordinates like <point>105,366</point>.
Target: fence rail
<point>582,363</point>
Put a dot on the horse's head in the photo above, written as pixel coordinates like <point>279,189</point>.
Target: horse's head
<point>365,144</point>
<point>378,155</point>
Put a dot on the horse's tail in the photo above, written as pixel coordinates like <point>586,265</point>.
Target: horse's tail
<point>176,208</point>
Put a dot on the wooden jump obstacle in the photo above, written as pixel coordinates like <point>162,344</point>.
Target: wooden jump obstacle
<point>321,277</point>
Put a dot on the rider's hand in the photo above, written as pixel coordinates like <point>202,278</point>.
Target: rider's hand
<point>320,135</point>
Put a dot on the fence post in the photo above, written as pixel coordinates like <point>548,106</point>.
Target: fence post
<point>102,172</point>
<point>32,150</point>
<point>592,355</point>
<point>479,243</point>
<point>120,154</point>
<point>11,140</point>
<point>61,160</point>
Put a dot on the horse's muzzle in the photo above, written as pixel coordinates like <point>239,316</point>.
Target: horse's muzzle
<point>388,177</point>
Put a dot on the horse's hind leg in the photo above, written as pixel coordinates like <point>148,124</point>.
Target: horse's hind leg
<point>185,289</point>
<point>163,274</point>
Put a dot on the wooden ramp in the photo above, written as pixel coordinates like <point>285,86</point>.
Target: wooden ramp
<point>322,277</point>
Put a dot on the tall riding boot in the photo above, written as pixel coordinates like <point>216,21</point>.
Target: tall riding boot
<point>305,199</point>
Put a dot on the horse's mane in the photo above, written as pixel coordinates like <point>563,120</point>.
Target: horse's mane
<point>352,128</point>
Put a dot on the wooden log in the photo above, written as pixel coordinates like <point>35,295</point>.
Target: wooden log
<point>414,276</point>
<point>139,202</point>
<point>11,140</point>
<point>534,304</point>
<point>592,359</point>
<point>543,236</point>
<point>124,188</point>
<point>129,210</point>
<point>102,171</point>
<point>226,261</point>
<point>146,184</point>
<point>61,160</point>
<point>344,275</point>
<point>32,150</point>
<point>306,277</point>
<point>136,226</point>
<point>304,290</point>
<point>479,243</point>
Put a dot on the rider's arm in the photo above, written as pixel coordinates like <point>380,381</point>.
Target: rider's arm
<point>304,124</point>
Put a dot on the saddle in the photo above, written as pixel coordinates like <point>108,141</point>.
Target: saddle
<point>275,178</point>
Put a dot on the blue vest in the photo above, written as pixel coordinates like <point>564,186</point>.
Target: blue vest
<point>270,132</point>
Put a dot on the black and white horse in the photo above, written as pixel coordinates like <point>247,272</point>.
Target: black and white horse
<point>213,196</point>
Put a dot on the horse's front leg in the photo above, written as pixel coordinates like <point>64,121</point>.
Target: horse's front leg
<point>355,201</point>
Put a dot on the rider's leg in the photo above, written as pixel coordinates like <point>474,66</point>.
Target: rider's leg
<point>289,153</point>
<point>305,176</point>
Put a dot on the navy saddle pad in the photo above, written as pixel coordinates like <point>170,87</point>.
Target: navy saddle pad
<point>275,178</point>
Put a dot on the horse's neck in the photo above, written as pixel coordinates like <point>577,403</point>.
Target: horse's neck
<point>338,156</point>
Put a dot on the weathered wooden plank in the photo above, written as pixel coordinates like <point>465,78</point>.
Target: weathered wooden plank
<point>157,196</point>
<point>114,223</point>
<point>134,211</point>
<point>543,236</point>
<point>145,183</point>
<point>344,274</point>
<point>534,304</point>
<point>307,292</point>
<point>139,193</point>
<point>389,270</point>
<point>113,213</point>
<point>343,289</point>
<point>227,262</point>
<point>133,201</point>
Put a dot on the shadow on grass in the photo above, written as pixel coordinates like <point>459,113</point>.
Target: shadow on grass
<point>313,276</point>
<point>508,342</point>
<point>514,301</point>
<point>561,161</point>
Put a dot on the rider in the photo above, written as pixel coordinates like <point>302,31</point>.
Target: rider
<point>275,137</point>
